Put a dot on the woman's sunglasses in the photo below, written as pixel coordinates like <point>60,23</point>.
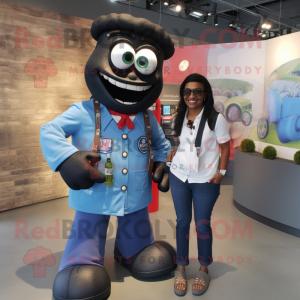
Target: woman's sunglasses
<point>197,92</point>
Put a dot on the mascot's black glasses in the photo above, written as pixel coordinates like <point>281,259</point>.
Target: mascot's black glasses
<point>197,92</point>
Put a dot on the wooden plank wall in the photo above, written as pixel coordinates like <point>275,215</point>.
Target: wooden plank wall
<point>30,97</point>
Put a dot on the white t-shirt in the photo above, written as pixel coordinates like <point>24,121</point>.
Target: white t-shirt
<point>186,164</point>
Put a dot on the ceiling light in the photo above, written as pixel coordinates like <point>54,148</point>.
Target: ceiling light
<point>209,14</point>
<point>166,3</point>
<point>173,7</point>
<point>178,7</point>
<point>216,20</point>
<point>231,24</point>
<point>196,13</point>
<point>266,25</point>
<point>265,34</point>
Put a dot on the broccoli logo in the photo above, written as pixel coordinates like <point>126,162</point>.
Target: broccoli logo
<point>39,258</point>
<point>40,68</point>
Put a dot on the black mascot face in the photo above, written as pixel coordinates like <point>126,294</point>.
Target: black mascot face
<point>125,70</point>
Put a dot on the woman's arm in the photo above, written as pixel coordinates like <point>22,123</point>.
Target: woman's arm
<point>225,153</point>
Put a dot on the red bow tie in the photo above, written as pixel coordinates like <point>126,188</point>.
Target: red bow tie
<point>124,119</point>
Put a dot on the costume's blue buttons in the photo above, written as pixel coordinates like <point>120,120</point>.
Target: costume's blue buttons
<point>124,136</point>
<point>124,154</point>
<point>123,188</point>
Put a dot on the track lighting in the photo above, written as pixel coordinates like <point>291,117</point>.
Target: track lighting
<point>196,13</point>
<point>216,20</point>
<point>266,25</point>
<point>264,34</point>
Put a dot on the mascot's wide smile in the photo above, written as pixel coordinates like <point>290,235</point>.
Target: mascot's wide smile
<point>131,68</point>
<point>125,70</point>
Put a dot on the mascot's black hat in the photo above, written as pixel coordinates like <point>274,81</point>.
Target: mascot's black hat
<point>135,25</point>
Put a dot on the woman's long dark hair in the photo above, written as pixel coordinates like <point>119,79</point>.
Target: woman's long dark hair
<point>208,103</point>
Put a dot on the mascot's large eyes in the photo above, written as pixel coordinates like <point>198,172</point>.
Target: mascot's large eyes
<point>145,61</point>
<point>122,56</point>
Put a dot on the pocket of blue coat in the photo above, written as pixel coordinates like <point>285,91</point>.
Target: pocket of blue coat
<point>140,179</point>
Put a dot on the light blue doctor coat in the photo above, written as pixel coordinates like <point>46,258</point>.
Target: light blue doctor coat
<point>79,122</point>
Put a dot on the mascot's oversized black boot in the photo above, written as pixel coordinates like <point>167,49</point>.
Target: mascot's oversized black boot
<point>155,260</point>
<point>82,282</point>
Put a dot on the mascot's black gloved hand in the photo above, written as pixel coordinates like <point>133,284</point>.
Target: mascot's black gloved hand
<point>78,172</point>
<point>161,175</point>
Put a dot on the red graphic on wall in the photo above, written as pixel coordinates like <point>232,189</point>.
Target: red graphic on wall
<point>40,68</point>
<point>185,61</point>
<point>39,258</point>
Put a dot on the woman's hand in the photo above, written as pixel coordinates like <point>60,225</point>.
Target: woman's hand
<point>171,155</point>
<point>216,178</point>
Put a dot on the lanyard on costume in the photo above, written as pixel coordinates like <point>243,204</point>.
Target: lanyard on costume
<point>98,130</point>
<point>148,132</point>
<point>97,125</point>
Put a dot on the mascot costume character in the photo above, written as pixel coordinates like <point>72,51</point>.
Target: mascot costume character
<point>124,76</point>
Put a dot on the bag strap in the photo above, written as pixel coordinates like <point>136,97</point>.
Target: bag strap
<point>202,125</point>
<point>97,112</point>
<point>148,132</point>
<point>215,117</point>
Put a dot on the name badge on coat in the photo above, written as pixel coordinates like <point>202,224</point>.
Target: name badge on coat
<point>105,145</point>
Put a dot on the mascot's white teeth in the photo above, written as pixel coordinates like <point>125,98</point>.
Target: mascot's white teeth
<point>127,103</point>
<point>126,86</point>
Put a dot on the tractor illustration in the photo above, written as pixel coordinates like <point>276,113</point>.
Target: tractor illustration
<point>237,109</point>
<point>283,110</point>
<point>232,98</point>
<point>234,104</point>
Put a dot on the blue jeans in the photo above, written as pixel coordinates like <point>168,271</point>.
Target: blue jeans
<point>86,241</point>
<point>204,197</point>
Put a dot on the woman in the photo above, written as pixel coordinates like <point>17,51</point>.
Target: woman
<point>195,175</point>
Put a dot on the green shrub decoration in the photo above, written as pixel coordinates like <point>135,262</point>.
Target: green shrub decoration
<point>297,157</point>
<point>269,152</point>
<point>247,145</point>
